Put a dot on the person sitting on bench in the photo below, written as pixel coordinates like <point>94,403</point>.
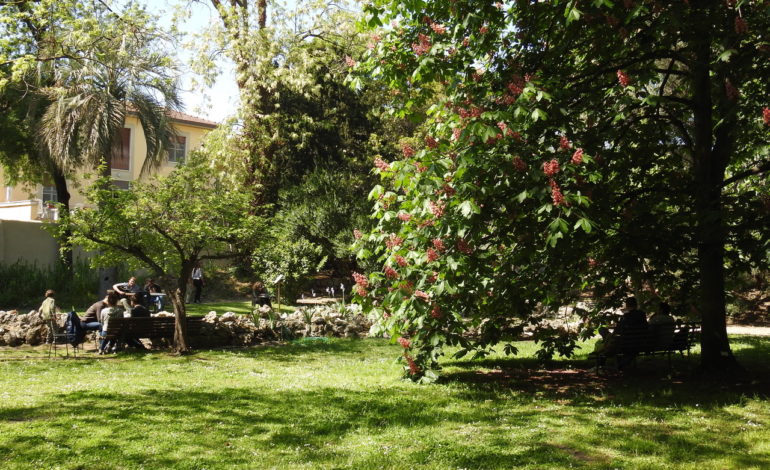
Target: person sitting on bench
<point>632,321</point>
<point>137,309</point>
<point>126,290</point>
<point>662,326</point>
<point>110,310</point>
<point>92,319</point>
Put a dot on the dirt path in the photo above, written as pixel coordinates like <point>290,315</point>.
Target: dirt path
<point>748,330</point>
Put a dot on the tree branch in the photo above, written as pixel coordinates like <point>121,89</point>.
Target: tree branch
<point>756,169</point>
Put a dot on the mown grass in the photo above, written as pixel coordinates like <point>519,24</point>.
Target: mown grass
<point>341,404</point>
<point>241,307</point>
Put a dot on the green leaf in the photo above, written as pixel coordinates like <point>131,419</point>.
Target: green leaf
<point>725,56</point>
<point>539,114</point>
<point>468,207</point>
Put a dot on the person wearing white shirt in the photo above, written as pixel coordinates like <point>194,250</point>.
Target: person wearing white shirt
<point>198,282</point>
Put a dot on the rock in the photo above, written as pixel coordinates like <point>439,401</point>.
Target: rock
<point>12,340</point>
<point>210,317</point>
<point>36,335</point>
<point>227,317</point>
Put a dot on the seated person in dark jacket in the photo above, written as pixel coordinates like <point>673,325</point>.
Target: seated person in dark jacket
<point>137,309</point>
<point>91,320</point>
<point>633,320</point>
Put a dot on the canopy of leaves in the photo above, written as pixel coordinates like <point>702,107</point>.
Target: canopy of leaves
<point>166,224</point>
<point>565,151</point>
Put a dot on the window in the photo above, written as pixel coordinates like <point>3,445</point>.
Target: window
<point>49,194</point>
<point>121,150</point>
<point>124,185</point>
<point>177,149</point>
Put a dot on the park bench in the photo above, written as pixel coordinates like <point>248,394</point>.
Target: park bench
<point>153,328</point>
<point>646,343</point>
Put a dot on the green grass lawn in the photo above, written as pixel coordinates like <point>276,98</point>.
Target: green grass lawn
<point>242,307</point>
<point>341,404</point>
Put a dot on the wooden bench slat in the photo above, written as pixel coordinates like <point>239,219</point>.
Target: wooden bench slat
<point>149,327</point>
<point>645,341</point>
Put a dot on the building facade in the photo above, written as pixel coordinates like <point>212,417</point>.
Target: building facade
<point>36,203</point>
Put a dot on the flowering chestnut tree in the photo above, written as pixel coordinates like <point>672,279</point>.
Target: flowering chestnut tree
<point>568,146</point>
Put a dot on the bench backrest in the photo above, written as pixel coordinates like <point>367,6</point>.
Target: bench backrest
<point>640,340</point>
<point>149,327</point>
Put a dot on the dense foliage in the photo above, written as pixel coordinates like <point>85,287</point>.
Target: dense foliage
<point>166,225</point>
<point>24,285</point>
<point>604,146</point>
<point>304,139</point>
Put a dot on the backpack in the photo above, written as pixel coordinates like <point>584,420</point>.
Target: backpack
<point>74,329</point>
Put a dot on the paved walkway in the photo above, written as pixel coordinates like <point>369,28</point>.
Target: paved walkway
<point>748,330</point>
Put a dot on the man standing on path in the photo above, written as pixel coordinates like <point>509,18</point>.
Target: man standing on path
<point>197,280</point>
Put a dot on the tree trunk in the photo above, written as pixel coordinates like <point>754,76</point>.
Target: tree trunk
<point>709,170</point>
<point>262,13</point>
<point>715,346</point>
<point>181,345</point>
<point>63,198</point>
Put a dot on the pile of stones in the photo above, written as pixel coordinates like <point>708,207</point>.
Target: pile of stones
<point>17,329</point>
<point>266,325</point>
<point>227,329</point>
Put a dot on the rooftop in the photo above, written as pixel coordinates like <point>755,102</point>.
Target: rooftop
<point>190,119</point>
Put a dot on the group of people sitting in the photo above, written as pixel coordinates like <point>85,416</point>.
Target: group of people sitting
<point>121,301</point>
<point>659,331</point>
<point>126,299</point>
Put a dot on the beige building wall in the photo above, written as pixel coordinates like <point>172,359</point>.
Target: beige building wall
<point>26,202</point>
<point>22,207</point>
<point>26,241</point>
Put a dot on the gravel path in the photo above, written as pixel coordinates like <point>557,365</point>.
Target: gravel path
<point>748,330</point>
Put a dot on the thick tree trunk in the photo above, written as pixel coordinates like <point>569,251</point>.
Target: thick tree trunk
<point>715,346</point>
<point>181,345</point>
<point>709,170</point>
<point>63,198</point>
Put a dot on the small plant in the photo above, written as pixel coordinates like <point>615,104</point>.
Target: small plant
<point>307,316</point>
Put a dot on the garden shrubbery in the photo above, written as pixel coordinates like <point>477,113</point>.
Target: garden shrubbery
<point>23,284</point>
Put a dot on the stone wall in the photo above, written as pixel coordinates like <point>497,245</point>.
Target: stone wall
<point>242,330</point>
<point>17,329</point>
<point>219,330</point>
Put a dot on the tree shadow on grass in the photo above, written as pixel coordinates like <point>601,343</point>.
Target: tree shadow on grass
<point>487,414</point>
<point>649,380</point>
<point>205,429</point>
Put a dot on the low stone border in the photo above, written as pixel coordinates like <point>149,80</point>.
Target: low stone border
<point>225,329</point>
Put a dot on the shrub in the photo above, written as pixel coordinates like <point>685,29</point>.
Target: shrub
<point>23,284</point>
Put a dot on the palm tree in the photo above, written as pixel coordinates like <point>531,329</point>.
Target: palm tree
<point>91,98</point>
<point>87,104</point>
